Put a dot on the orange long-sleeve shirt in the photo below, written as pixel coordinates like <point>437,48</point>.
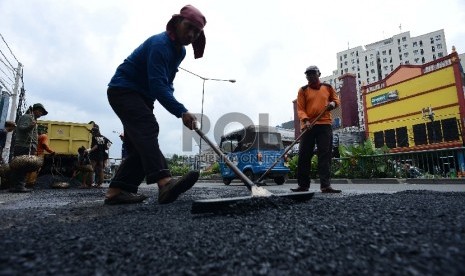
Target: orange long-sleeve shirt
<point>42,145</point>
<point>310,103</point>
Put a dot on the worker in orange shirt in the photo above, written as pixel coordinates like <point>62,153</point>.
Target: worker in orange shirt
<point>42,147</point>
<point>312,99</point>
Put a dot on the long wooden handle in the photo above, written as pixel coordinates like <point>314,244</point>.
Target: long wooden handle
<point>233,167</point>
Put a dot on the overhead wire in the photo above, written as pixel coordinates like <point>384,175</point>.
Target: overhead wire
<point>12,67</point>
<point>7,66</point>
<point>6,75</point>
<point>9,48</point>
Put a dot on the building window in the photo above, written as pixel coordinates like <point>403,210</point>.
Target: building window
<point>423,60</point>
<point>384,52</point>
<point>392,67</point>
<point>402,137</point>
<point>438,37</point>
<point>390,138</point>
<point>384,60</point>
<point>422,52</point>
<point>415,52</point>
<point>450,129</point>
<point>432,40</point>
<point>400,57</point>
<point>421,43</point>
<point>415,44</point>
<point>372,63</point>
<point>417,60</point>
<point>439,46</point>
<point>379,139</point>
<point>398,41</point>
<point>405,46</point>
<point>434,132</point>
<point>385,68</point>
<point>400,50</point>
<point>407,62</point>
<point>419,134</point>
<point>405,54</point>
<point>345,56</point>
<point>389,51</point>
<point>372,71</point>
<point>404,39</point>
<point>434,57</point>
<point>433,49</point>
<point>340,58</point>
<point>440,54</point>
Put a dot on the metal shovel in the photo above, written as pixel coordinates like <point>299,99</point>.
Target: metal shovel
<point>214,205</point>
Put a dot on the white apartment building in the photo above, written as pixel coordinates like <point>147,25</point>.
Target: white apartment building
<point>373,62</point>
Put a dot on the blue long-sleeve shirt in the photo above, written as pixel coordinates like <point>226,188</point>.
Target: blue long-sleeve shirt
<point>150,70</point>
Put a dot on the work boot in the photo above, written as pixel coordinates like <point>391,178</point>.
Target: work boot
<point>20,189</point>
<point>171,191</point>
<point>330,190</point>
<point>18,182</point>
<point>299,189</point>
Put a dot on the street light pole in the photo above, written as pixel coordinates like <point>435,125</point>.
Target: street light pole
<point>203,95</point>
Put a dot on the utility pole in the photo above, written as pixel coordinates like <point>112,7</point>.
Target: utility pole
<point>14,106</point>
<point>14,95</point>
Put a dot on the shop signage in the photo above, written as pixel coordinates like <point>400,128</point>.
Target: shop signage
<point>386,97</point>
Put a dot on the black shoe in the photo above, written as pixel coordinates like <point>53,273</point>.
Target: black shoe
<point>171,191</point>
<point>299,189</point>
<point>20,190</point>
<point>330,190</point>
<point>125,198</point>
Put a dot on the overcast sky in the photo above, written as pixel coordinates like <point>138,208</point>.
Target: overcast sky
<point>70,49</point>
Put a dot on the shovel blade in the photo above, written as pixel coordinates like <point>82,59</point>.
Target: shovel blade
<point>219,205</point>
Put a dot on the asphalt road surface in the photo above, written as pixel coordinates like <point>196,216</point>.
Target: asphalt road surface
<point>367,230</point>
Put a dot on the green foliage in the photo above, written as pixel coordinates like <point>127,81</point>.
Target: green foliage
<point>177,166</point>
<point>292,164</point>
<point>178,170</point>
<point>213,169</point>
<point>361,161</point>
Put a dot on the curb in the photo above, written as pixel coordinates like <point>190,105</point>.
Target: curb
<point>457,181</point>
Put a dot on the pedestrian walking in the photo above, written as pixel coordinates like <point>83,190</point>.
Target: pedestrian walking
<point>144,77</point>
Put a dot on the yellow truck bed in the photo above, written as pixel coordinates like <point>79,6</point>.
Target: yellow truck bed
<point>66,138</point>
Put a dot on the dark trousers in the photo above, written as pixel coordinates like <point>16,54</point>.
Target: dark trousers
<point>144,158</point>
<point>322,136</point>
<point>18,177</point>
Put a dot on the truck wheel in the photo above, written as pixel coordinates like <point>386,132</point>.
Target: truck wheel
<point>279,180</point>
<point>227,181</point>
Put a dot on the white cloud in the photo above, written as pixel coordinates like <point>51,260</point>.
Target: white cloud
<point>70,49</point>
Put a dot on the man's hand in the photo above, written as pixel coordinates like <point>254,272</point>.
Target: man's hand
<point>189,120</point>
<point>331,105</point>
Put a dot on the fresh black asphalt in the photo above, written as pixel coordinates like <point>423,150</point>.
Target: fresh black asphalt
<point>71,232</point>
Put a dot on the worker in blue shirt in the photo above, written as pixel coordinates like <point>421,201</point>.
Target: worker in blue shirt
<point>144,77</point>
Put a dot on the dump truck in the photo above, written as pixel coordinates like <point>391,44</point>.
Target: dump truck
<point>64,138</point>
